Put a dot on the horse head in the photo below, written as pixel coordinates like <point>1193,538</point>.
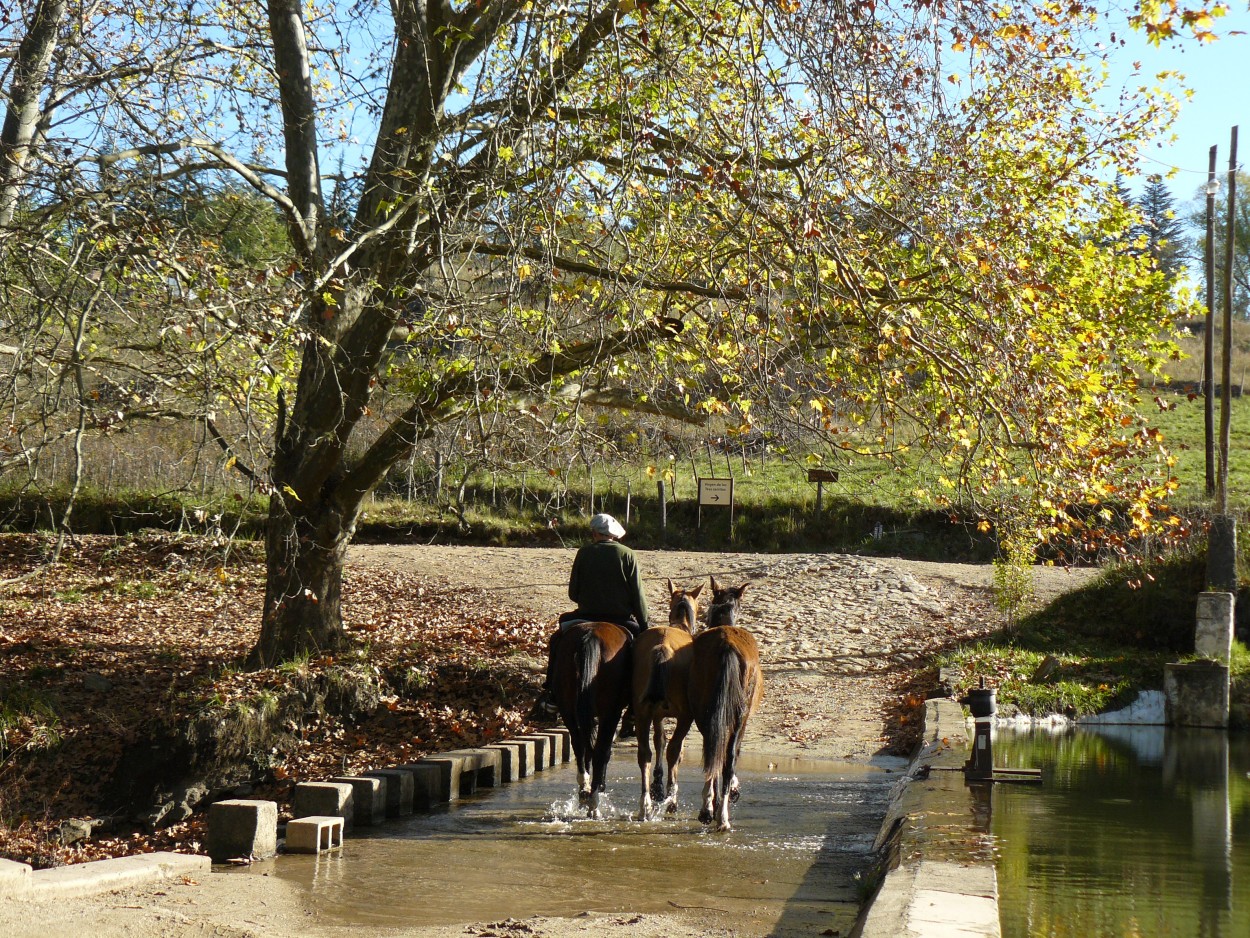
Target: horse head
<point>683,607</point>
<point>723,609</point>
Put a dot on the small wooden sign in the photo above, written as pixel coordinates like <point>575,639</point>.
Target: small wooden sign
<point>718,492</point>
<point>822,475</point>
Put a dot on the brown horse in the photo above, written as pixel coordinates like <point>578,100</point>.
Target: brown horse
<point>661,660</point>
<point>591,681</point>
<point>724,687</point>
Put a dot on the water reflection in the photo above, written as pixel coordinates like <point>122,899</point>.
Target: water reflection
<point>1134,833</point>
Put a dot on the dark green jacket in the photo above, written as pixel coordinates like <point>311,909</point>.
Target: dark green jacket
<point>605,582</point>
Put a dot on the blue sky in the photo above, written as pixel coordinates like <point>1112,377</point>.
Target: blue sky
<point>1219,74</point>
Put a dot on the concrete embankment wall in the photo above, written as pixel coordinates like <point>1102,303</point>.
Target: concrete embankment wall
<point>940,878</point>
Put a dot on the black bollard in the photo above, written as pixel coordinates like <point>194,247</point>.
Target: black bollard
<point>980,765</point>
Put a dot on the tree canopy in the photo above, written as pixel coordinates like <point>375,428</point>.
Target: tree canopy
<point>886,225</point>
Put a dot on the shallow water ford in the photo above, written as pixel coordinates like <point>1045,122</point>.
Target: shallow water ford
<point>803,831</point>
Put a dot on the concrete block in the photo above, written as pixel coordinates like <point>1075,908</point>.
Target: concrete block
<point>525,764</point>
<point>485,765</point>
<point>368,797</point>
<point>329,799</point>
<point>561,744</point>
<point>509,760</point>
<point>430,785</point>
<point>398,790</point>
<point>1196,693</point>
<point>542,750</point>
<point>314,834</point>
<point>240,828</point>
<point>458,774</point>
<point>1213,637</point>
<point>14,878</point>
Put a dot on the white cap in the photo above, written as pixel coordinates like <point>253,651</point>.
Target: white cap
<point>607,526</point>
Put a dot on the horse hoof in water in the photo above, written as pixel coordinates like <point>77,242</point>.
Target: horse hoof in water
<point>705,816</point>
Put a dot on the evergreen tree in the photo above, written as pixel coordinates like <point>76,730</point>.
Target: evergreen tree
<point>1161,230</point>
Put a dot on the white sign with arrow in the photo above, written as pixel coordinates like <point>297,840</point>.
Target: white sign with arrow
<point>718,492</point>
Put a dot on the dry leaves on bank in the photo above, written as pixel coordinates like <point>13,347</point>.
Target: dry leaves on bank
<point>128,633</point>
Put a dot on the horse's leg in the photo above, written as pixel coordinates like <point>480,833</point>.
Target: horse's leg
<point>727,784</point>
<point>731,762</point>
<point>749,696</point>
<point>658,787</point>
<point>673,759</point>
<point>581,754</point>
<point>722,807</point>
<point>600,755</point>
<point>642,715</point>
<point>707,812</point>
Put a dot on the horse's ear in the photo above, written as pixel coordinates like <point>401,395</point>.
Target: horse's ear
<point>715,586</point>
<point>742,589</point>
<point>694,593</point>
<point>671,590</point>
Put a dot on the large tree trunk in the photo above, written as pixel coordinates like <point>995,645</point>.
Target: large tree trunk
<point>21,121</point>
<point>305,549</point>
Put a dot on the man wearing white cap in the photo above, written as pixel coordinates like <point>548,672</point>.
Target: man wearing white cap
<point>606,584</point>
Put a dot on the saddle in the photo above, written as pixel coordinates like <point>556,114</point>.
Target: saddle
<point>563,624</point>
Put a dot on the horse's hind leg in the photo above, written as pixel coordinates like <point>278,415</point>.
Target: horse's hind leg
<point>645,757</point>
<point>729,788</point>
<point>707,812</point>
<point>581,754</point>
<point>673,760</point>
<point>600,754</point>
<point>659,787</point>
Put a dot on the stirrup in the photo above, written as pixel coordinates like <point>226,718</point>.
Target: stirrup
<point>545,706</point>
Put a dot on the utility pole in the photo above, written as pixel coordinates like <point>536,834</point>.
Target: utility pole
<point>1222,540</point>
<point>1226,371</point>
<point>1208,343</point>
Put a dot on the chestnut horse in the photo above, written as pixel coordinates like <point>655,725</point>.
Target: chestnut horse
<point>591,681</point>
<point>724,687</point>
<point>661,660</point>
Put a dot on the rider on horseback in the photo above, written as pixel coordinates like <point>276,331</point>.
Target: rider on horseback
<point>606,584</point>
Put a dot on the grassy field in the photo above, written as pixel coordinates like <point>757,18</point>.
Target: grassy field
<point>867,510</point>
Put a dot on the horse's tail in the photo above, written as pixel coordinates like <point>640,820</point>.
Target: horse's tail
<point>588,658</point>
<point>723,711</point>
<point>657,680</point>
